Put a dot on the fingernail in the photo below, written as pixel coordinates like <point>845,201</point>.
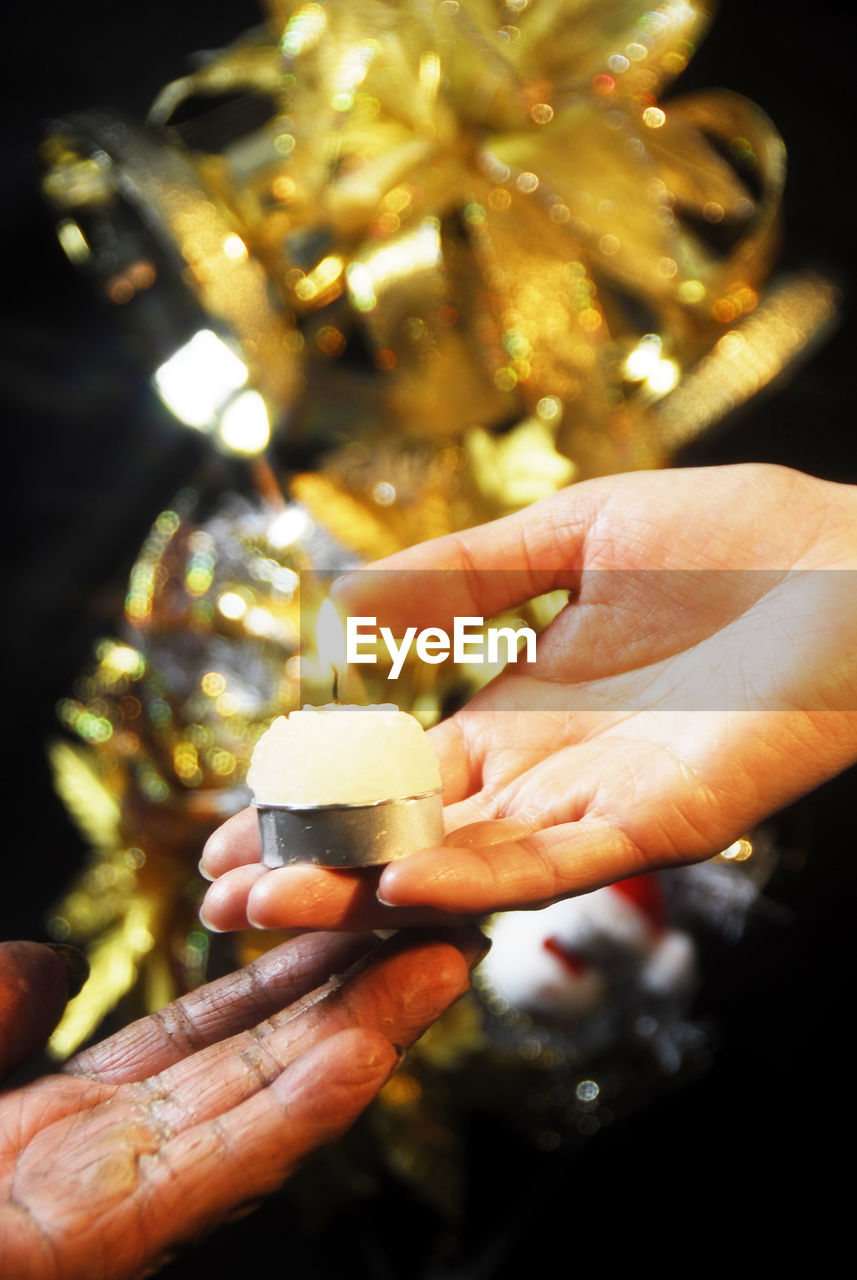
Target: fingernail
<point>474,945</point>
<point>213,844</point>
<point>76,966</point>
<point>202,871</point>
<point>341,583</point>
<point>243,1211</point>
<point>466,938</point>
<point>206,923</point>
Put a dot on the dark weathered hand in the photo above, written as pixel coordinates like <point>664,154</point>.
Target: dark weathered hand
<point>154,1135</point>
<point>703,675</point>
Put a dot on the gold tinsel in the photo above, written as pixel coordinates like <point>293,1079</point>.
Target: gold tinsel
<point>464,252</point>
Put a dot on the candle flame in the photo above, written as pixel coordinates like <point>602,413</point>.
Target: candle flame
<point>330,642</point>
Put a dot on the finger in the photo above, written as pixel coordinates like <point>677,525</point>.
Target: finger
<point>480,571</point>
<point>223,1008</point>
<point>398,990</point>
<point>590,813</point>
<point>491,741</point>
<point>35,983</point>
<point>307,897</point>
<point>459,765</point>
<point>224,906</point>
<point>234,844</point>
<point>533,871</point>
<point>128,1192</point>
<point>205,1173</point>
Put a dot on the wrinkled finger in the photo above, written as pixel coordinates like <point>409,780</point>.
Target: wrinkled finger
<point>307,897</point>
<point>129,1194</point>
<point>248,1153</point>
<point>234,844</point>
<point>222,1008</point>
<point>35,984</point>
<point>398,990</point>
<point>224,906</point>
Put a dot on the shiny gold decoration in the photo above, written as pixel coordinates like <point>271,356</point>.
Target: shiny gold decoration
<point>791,318</point>
<point>419,221</point>
<point>167,719</point>
<point>197,232</point>
<point>461,252</point>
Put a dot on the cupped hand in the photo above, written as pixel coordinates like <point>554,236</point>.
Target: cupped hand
<point>156,1134</point>
<point>703,674</point>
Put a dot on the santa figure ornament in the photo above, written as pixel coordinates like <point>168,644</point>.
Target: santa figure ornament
<point>567,960</point>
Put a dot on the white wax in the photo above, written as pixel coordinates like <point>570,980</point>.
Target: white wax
<point>343,755</point>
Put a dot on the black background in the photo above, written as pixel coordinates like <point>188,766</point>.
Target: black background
<point>740,1166</point>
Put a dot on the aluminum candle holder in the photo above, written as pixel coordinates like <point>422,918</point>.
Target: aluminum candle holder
<point>350,835</point>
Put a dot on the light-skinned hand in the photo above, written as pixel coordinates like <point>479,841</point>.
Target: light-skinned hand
<point>703,675</point>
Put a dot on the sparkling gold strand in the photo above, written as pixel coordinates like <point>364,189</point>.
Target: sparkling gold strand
<point>795,315</point>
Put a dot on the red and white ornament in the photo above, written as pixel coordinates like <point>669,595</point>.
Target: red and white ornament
<point>563,960</point>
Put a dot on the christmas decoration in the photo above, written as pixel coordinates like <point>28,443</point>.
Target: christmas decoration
<point>392,225</point>
<point>425,263</point>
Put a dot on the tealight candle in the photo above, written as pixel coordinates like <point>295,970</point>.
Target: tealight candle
<point>345,786</point>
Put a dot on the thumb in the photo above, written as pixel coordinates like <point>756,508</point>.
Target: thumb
<point>480,571</point>
<point>36,981</point>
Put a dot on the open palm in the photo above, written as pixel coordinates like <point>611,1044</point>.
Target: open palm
<point>153,1136</point>
<point>703,674</point>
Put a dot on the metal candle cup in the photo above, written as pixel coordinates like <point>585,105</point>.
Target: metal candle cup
<point>349,835</point>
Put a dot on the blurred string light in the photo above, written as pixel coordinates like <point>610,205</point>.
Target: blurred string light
<point>303,30</point>
<point>288,527</point>
<point>73,242</point>
<point>738,851</point>
<point>646,364</point>
<point>201,384</point>
<point>244,424</point>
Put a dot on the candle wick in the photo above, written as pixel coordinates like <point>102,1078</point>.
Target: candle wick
<point>335,685</point>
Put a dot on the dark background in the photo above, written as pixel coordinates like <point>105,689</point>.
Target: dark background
<point>754,1146</point>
